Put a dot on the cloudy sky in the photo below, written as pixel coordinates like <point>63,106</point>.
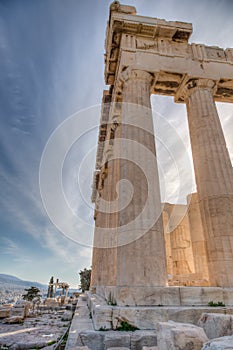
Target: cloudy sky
<point>51,68</point>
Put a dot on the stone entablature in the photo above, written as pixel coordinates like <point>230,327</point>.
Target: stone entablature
<point>151,44</point>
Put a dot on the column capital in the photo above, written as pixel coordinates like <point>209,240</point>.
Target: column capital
<point>135,74</point>
<point>191,85</point>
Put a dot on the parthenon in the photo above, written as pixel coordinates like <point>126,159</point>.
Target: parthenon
<point>134,249</point>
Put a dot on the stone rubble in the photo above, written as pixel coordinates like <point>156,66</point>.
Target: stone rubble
<point>4,312</point>
<point>119,348</point>
<point>36,331</point>
<point>182,336</point>
<point>14,319</point>
<point>223,343</point>
<point>67,316</point>
<point>216,325</point>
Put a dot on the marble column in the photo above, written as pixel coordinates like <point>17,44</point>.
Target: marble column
<point>181,247</point>
<point>197,238</point>
<point>141,258</point>
<point>101,263</point>
<point>167,238</point>
<point>214,179</point>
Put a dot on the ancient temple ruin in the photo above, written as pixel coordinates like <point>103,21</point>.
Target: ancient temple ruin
<point>133,254</point>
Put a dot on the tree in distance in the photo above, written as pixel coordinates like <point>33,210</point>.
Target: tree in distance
<point>32,296</point>
<point>85,279</point>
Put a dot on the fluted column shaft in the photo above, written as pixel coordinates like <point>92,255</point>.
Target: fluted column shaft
<point>142,262</point>
<point>213,171</point>
<point>197,238</point>
<point>181,250</point>
<point>167,238</point>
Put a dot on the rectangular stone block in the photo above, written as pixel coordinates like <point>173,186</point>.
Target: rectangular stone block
<point>190,314</point>
<point>216,325</point>
<point>147,296</point>
<point>113,339</point>
<point>172,336</point>
<point>119,348</point>
<point>4,312</point>
<point>93,340</point>
<point>200,295</point>
<point>140,317</point>
<point>228,296</point>
<point>102,317</point>
<point>140,339</point>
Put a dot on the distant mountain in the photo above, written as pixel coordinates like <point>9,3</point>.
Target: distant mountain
<point>12,282</point>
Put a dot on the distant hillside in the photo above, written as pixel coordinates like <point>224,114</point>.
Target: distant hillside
<point>12,282</point>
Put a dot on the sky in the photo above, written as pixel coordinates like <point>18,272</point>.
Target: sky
<point>51,84</point>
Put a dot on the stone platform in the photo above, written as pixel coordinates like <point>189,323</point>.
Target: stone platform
<point>165,296</point>
<point>95,323</point>
<point>145,307</point>
<point>82,334</point>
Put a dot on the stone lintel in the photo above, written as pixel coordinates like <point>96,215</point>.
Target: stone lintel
<point>176,83</point>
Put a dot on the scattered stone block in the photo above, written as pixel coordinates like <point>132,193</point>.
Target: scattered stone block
<point>91,339</point>
<point>103,317</point>
<point>216,325</point>
<point>21,308</point>
<point>51,302</point>
<point>140,339</point>
<point>224,343</point>
<point>182,336</point>
<point>5,312</point>
<point>113,339</point>
<point>83,297</point>
<point>14,319</point>
<point>67,316</point>
<point>119,348</point>
<point>140,317</point>
<point>189,314</point>
<point>150,348</point>
<point>31,345</point>
<point>18,311</point>
<point>78,348</point>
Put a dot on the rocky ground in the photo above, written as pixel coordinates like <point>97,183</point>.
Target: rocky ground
<point>38,331</point>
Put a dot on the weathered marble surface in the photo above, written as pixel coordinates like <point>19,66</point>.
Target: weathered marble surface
<point>224,343</point>
<point>182,336</point>
<point>147,317</point>
<point>216,325</point>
